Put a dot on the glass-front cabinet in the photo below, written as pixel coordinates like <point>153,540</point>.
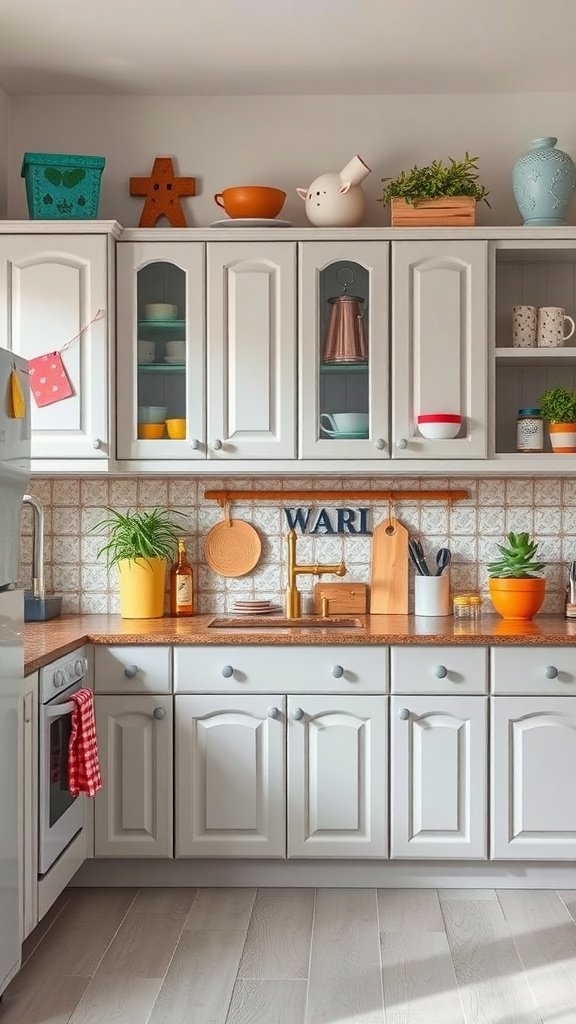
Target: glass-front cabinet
<point>160,346</point>
<point>344,364</point>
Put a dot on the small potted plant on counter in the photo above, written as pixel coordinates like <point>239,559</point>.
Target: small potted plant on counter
<point>516,587</point>
<point>437,195</point>
<point>140,544</point>
<point>558,406</point>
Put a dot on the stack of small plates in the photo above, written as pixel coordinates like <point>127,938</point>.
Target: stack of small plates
<point>255,607</point>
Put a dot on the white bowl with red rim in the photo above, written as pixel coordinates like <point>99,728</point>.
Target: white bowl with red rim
<point>439,426</point>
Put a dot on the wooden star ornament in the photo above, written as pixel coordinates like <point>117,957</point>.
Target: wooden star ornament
<point>162,191</point>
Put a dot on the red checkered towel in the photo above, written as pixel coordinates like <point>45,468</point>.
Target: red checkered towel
<point>83,767</point>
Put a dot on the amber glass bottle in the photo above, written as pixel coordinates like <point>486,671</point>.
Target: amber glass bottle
<point>181,584</point>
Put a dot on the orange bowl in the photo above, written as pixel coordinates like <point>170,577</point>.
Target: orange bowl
<point>517,599</point>
<point>251,201</point>
<point>151,431</point>
<point>176,429</point>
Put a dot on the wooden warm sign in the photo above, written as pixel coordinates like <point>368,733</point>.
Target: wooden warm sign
<point>329,521</point>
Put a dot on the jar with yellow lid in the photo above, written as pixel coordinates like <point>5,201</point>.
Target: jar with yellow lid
<point>467,606</point>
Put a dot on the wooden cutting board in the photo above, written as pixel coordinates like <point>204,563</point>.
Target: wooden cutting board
<point>389,582</point>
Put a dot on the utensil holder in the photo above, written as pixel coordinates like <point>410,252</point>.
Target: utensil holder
<point>432,595</point>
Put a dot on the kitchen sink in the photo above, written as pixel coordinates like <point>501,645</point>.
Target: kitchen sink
<point>256,623</point>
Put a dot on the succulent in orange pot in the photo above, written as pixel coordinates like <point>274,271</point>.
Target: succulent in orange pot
<point>516,587</point>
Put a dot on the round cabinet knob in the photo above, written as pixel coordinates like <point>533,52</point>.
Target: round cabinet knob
<point>380,443</point>
<point>159,714</point>
<point>404,714</point>
<point>440,671</point>
<point>273,712</point>
<point>96,443</point>
<point>130,671</point>
<point>297,714</point>
<point>337,671</point>
<point>217,444</point>
<point>402,443</point>
<point>227,671</point>
<point>551,672</point>
<point>195,443</point>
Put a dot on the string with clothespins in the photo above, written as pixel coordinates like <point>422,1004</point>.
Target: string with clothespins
<point>49,381</point>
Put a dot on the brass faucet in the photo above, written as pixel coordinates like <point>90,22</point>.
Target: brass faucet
<point>293,600</point>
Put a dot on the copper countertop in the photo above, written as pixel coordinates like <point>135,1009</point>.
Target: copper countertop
<point>46,641</point>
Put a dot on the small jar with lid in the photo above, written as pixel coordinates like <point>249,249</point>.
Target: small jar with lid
<point>529,431</point>
<point>466,607</point>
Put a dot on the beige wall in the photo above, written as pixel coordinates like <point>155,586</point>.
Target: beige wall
<point>284,141</point>
<point>4,145</point>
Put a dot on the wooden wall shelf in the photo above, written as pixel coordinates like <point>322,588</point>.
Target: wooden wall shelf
<point>227,497</point>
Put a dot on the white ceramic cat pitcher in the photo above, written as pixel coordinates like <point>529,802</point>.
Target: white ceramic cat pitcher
<point>337,200</point>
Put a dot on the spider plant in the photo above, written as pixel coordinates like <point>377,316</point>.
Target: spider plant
<point>134,535</point>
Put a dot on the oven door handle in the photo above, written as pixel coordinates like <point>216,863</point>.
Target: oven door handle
<point>59,710</point>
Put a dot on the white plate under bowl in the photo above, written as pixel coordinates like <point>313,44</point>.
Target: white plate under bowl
<point>251,222</point>
<point>175,360</point>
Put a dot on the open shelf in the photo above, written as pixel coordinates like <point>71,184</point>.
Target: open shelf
<point>525,356</point>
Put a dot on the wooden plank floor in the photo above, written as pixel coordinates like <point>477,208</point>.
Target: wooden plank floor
<point>300,956</point>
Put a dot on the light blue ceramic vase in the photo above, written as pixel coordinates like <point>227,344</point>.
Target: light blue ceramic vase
<point>544,179</point>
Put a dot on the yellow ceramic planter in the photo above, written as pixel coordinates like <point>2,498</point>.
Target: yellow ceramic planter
<point>142,585</point>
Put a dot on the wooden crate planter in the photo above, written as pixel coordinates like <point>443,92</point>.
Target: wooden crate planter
<point>450,211</point>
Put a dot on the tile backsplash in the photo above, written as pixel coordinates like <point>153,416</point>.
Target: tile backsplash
<point>545,507</point>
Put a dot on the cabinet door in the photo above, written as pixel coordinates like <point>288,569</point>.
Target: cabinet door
<point>251,350</point>
<point>533,767</point>
<point>439,345</point>
<point>337,776</point>
<point>160,343</point>
<point>51,286</point>
<point>230,776</point>
<point>344,350</point>
<point>133,810</point>
<point>438,777</point>
<point>28,793</point>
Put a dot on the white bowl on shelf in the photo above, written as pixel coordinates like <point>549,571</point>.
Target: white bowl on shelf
<point>439,426</point>
<point>177,349</point>
<point>152,413</point>
<point>173,360</point>
<point>146,351</point>
<point>160,311</point>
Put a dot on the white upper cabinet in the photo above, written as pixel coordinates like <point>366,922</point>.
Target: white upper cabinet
<point>343,332</point>
<point>439,345</point>
<point>438,777</point>
<point>51,287</point>
<point>251,350</point>
<point>161,351</point>
<point>533,759</point>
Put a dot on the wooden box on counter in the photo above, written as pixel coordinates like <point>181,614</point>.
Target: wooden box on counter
<point>343,598</point>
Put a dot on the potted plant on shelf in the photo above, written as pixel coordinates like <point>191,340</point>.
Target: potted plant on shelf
<point>558,406</point>
<point>140,544</point>
<point>516,587</point>
<point>437,195</point>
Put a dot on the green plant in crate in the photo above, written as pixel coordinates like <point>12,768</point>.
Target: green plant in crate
<point>517,560</point>
<point>457,178</point>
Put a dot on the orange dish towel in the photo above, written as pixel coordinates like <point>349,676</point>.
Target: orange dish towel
<point>83,766</point>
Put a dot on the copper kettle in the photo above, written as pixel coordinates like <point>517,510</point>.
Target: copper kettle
<point>345,337</point>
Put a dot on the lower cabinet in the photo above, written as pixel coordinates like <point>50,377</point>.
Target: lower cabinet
<point>337,776</point>
<point>230,776</point>
<point>533,771</point>
<point>231,787</point>
<point>438,777</point>
<point>133,811</point>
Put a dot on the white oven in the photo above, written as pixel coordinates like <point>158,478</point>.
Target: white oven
<point>61,815</point>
